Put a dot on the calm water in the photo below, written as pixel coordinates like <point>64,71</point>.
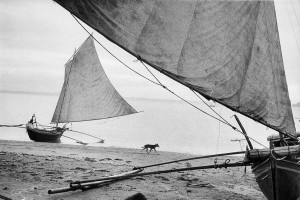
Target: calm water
<point>174,125</point>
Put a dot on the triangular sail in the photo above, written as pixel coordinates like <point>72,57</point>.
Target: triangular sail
<point>228,51</point>
<point>87,93</point>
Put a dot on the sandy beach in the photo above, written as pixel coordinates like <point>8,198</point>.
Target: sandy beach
<point>28,170</point>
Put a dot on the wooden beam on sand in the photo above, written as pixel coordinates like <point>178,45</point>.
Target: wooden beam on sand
<point>89,185</point>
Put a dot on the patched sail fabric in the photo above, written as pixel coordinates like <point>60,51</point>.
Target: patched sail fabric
<point>87,93</point>
<point>228,51</point>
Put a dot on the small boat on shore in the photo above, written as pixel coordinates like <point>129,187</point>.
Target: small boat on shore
<point>87,94</point>
<point>44,135</point>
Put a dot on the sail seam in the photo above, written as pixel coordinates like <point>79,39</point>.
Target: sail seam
<point>181,51</point>
<point>250,57</point>
<point>59,116</point>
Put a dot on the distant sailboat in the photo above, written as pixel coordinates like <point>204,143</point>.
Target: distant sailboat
<point>87,94</point>
<point>227,51</point>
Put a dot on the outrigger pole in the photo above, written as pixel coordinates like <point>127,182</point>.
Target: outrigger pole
<point>215,166</point>
<point>100,140</point>
<point>78,141</point>
<point>88,184</point>
<point>194,158</point>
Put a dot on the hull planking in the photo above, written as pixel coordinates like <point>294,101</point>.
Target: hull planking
<point>278,179</point>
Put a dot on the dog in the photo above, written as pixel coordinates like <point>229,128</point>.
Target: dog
<point>151,147</point>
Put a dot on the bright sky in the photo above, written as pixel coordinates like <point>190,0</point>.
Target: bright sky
<point>38,37</point>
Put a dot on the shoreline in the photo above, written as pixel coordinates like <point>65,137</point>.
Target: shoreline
<point>29,169</point>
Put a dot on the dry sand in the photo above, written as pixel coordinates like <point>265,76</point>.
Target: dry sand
<point>28,170</point>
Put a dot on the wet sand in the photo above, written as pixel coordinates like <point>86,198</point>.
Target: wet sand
<point>29,169</point>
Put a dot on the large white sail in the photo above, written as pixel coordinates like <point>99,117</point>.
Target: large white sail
<point>87,93</point>
<point>228,51</point>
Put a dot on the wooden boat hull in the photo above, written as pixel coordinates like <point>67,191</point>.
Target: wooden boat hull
<point>278,179</point>
<point>41,135</point>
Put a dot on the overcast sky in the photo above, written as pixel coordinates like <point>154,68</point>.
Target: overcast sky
<point>39,36</point>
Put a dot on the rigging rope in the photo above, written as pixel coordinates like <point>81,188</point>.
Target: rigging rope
<point>152,74</point>
<point>225,122</point>
<point>214,110</point>
<point>111,53</point>
<point>219,132</point>
<point>160,83</point>
<point>183,98</point>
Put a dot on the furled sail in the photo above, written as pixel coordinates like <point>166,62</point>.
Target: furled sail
<point>228,51</point>
<point>87,93</point>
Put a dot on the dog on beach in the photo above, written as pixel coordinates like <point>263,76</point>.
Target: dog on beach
<point>151,147</point>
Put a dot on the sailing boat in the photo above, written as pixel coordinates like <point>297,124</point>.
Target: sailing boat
<point>87,94</point>
<point>227,51</point>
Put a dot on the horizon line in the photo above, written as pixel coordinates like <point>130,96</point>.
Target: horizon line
<point>57,93</point>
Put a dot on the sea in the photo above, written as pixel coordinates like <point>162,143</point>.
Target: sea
<point>175,125</point>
